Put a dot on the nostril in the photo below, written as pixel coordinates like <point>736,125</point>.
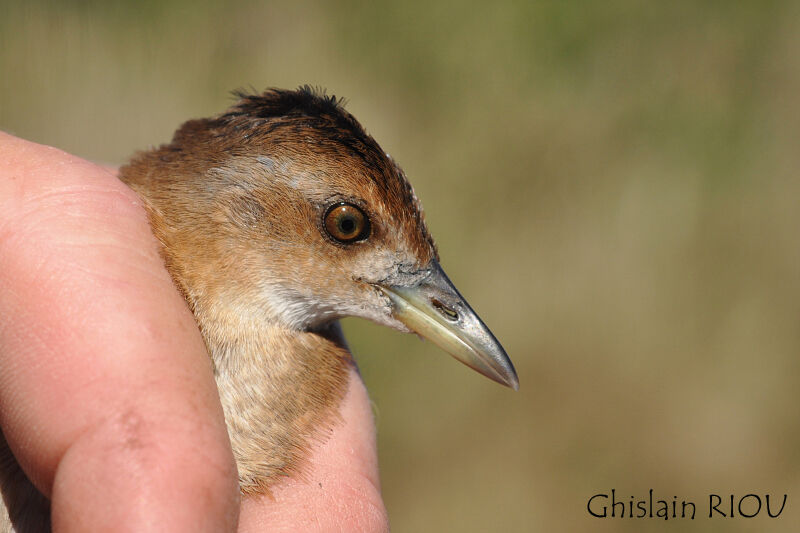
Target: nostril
<point>447,312</point>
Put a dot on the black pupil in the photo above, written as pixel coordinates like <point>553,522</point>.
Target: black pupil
<point>347,225</point>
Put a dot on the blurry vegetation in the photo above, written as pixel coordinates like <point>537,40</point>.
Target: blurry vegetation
<point>613,186</point>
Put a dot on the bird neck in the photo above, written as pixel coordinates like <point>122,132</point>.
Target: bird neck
<point>280,390</point>
<point>280,387</point>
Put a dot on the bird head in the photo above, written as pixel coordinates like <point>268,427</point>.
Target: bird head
<point>283,209</point>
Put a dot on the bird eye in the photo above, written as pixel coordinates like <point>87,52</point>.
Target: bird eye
<point>346,223</point>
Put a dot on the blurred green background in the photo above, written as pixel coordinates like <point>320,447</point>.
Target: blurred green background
<point>613,185</point>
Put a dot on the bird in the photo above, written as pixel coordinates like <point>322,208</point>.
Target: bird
<point>277,218</point>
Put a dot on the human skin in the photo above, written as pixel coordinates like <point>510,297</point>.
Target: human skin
<point>107,396</point>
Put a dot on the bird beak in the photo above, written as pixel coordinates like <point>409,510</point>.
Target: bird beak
<point>435,310</point>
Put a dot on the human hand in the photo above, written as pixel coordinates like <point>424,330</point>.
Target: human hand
<point>107,396</point>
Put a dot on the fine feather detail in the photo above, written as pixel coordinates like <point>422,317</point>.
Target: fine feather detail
<point>237,202</point>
